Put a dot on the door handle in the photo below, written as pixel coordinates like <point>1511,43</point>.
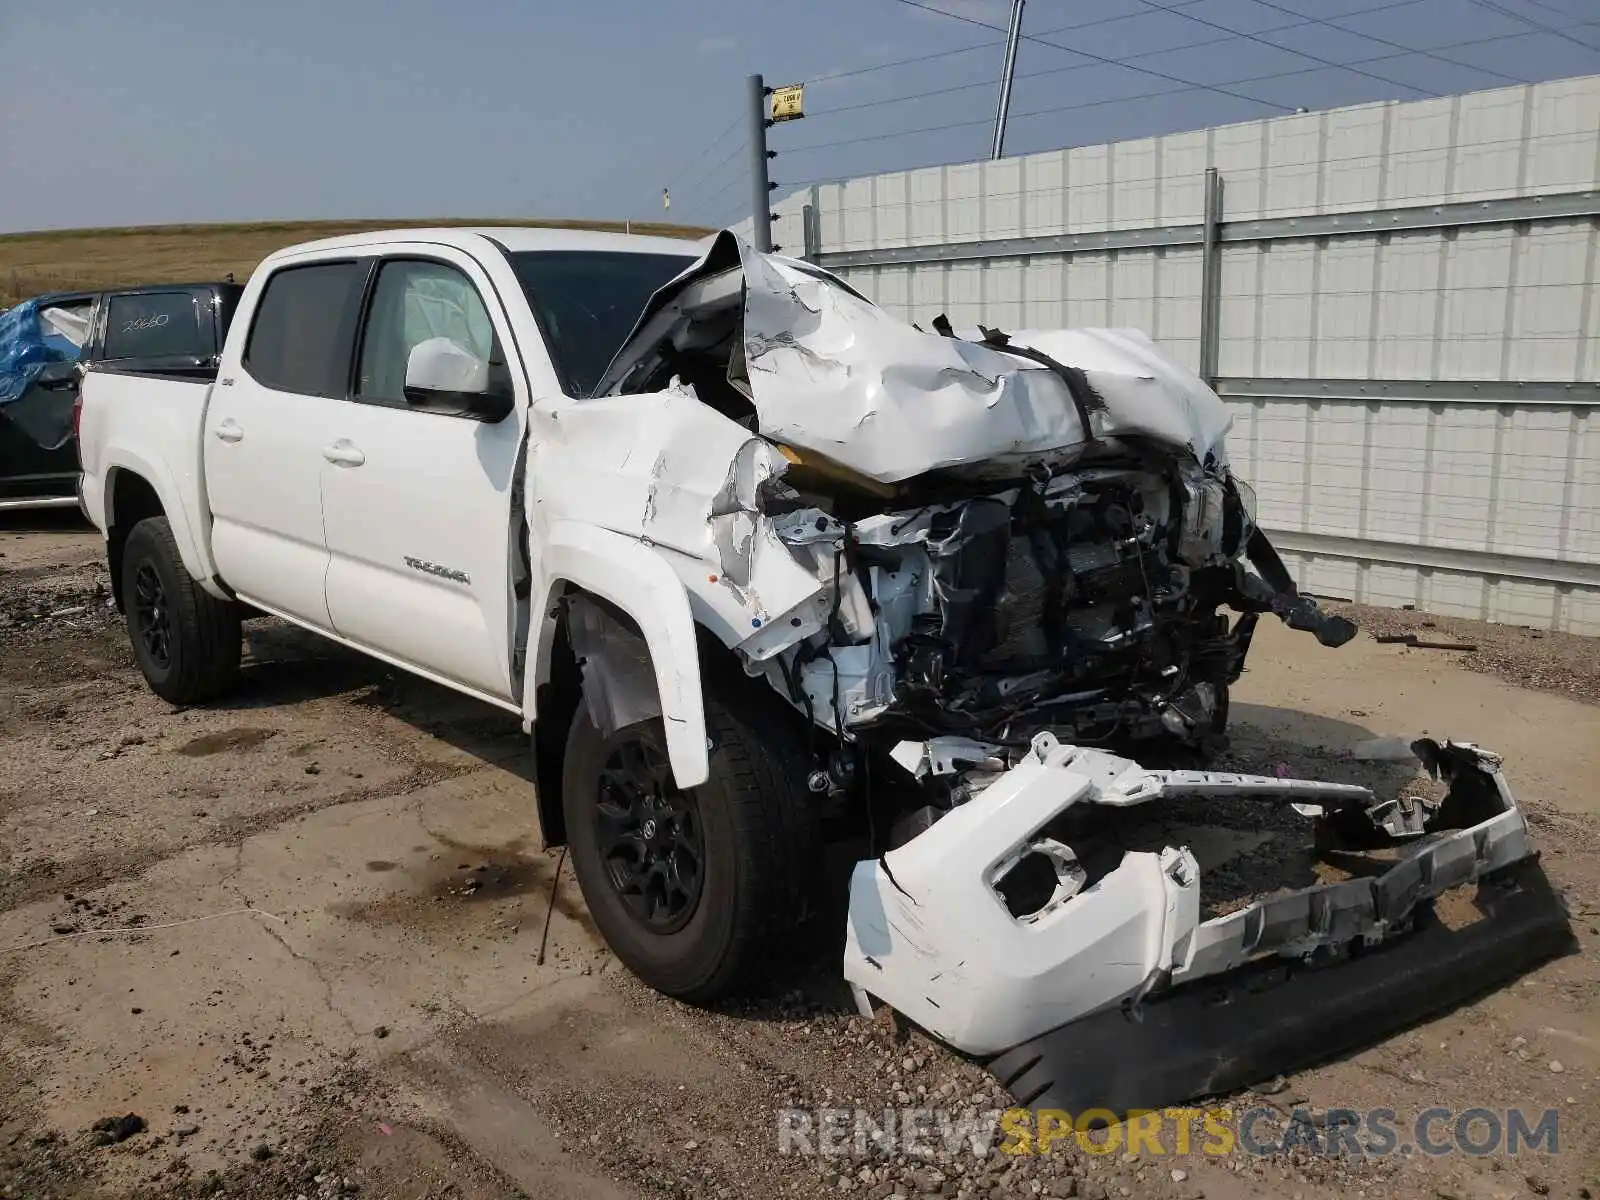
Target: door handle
<point>229,430</point>
<point>343,454</point>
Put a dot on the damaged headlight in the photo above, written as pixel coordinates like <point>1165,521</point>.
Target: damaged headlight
<point>812,472</point>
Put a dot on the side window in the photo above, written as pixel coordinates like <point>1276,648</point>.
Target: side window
<point>304,325</point>
<point>414,302</point>
<point>154,325</point>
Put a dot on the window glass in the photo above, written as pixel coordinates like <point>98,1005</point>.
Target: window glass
<point>413,303</point>
<point>588,302</point>
<point>304,325</point>
<point>154,325</point>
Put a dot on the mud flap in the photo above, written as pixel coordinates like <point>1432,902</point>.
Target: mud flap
<point>1229,1031</point>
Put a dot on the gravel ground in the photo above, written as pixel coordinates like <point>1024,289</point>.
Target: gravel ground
<point>1563,663</point>
<point>333,983</point>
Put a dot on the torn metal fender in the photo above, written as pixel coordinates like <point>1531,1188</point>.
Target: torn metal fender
<point>671,474</point>
<point>637,580</point>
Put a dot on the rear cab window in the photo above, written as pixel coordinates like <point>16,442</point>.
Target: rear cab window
<point>155,325</point>
<point>303,329</point>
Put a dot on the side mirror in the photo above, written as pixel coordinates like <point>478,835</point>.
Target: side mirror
<point>442,377</point>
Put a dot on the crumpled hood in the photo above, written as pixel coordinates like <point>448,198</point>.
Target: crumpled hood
<point>831,373</point>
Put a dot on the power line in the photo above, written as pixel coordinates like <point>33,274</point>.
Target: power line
<point>698,158</point>
<point>900,62</point>
<point>920,58</point>
<point>707,201</point>
<point>1516,16</point>
<point>1371,37</point>
<point>1410,87</point>
<point>728,216</point>
<point>1133,16</point>
<point>1188,83</point>
<point>1040,112</point>
<point>1560,12</point>
<point>711,175</point>
<point>988,83</point>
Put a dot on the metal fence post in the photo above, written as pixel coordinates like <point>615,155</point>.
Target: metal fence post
<point>808,223</point>
<point>760,198</point>
<point>1211,278</point>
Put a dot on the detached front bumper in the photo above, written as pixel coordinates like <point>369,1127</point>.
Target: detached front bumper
<point>1115,994</point>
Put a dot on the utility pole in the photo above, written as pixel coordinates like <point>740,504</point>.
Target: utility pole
<point>1006,74</point>
<point>760,200</point>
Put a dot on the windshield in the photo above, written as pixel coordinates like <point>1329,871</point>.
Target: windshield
<point>587,302</point>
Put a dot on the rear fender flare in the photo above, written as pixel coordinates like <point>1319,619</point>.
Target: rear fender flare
<point>193,549</point>
<point>633,577</point>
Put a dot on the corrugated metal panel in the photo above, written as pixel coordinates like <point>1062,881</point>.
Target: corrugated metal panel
<point>1463,499</point>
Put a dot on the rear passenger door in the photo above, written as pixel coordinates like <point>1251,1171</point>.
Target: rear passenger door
<point>418,505</point>
<point>267,433</point>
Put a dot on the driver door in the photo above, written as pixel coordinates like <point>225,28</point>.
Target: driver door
<point>417,505</point>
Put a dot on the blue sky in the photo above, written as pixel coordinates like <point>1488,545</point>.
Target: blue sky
<point>217,110</point>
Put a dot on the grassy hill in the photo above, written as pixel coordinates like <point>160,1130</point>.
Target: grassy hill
<point>69,259</point>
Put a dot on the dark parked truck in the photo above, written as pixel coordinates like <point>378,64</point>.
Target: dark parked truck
<point>46,342</point>
<point>759,564</point>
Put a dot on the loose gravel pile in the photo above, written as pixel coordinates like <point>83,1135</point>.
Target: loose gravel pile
<point>1563,663</point>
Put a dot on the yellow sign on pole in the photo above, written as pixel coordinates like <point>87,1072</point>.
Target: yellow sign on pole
<point>787,102</point>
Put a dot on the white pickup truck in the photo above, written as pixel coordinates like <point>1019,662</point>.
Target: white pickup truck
<point>750,558</point>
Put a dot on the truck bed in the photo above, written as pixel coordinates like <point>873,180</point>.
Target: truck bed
<point>169,412</point>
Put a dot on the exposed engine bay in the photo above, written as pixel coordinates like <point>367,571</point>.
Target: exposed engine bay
<point>1085,603</point>
<point>979,569</point>
<point>936,535</point>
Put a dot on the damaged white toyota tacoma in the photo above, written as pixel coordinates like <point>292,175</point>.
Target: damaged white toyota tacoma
<point>757,565</point>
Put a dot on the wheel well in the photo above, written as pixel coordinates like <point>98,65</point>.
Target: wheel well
<point>558,700</point>
<point>131,499</point>
<point>562,692</point>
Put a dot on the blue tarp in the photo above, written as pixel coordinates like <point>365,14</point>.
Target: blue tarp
<point>28,348</point>
<point>23,352</point>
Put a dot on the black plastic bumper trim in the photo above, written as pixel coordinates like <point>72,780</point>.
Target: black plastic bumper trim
<point>1219,1034</point>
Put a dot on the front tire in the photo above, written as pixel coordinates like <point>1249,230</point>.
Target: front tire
<point>694,891</point>
<point>185,640</point>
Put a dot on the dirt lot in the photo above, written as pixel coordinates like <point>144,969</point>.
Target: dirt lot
<point>332,896</point>
<point>71,259</point>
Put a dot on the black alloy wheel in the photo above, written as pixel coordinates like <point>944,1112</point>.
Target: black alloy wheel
<point>152,615</point>
<point>185,640</point>
<point>649,835</point>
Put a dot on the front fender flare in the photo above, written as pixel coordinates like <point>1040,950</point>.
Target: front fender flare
<point>633,577</point>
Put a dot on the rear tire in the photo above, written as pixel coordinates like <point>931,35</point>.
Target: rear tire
<point>748,835</point>
<point>185,640</point>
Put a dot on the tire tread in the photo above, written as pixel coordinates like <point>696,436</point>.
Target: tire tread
<point>208,628</point>
<point>759,768</point>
